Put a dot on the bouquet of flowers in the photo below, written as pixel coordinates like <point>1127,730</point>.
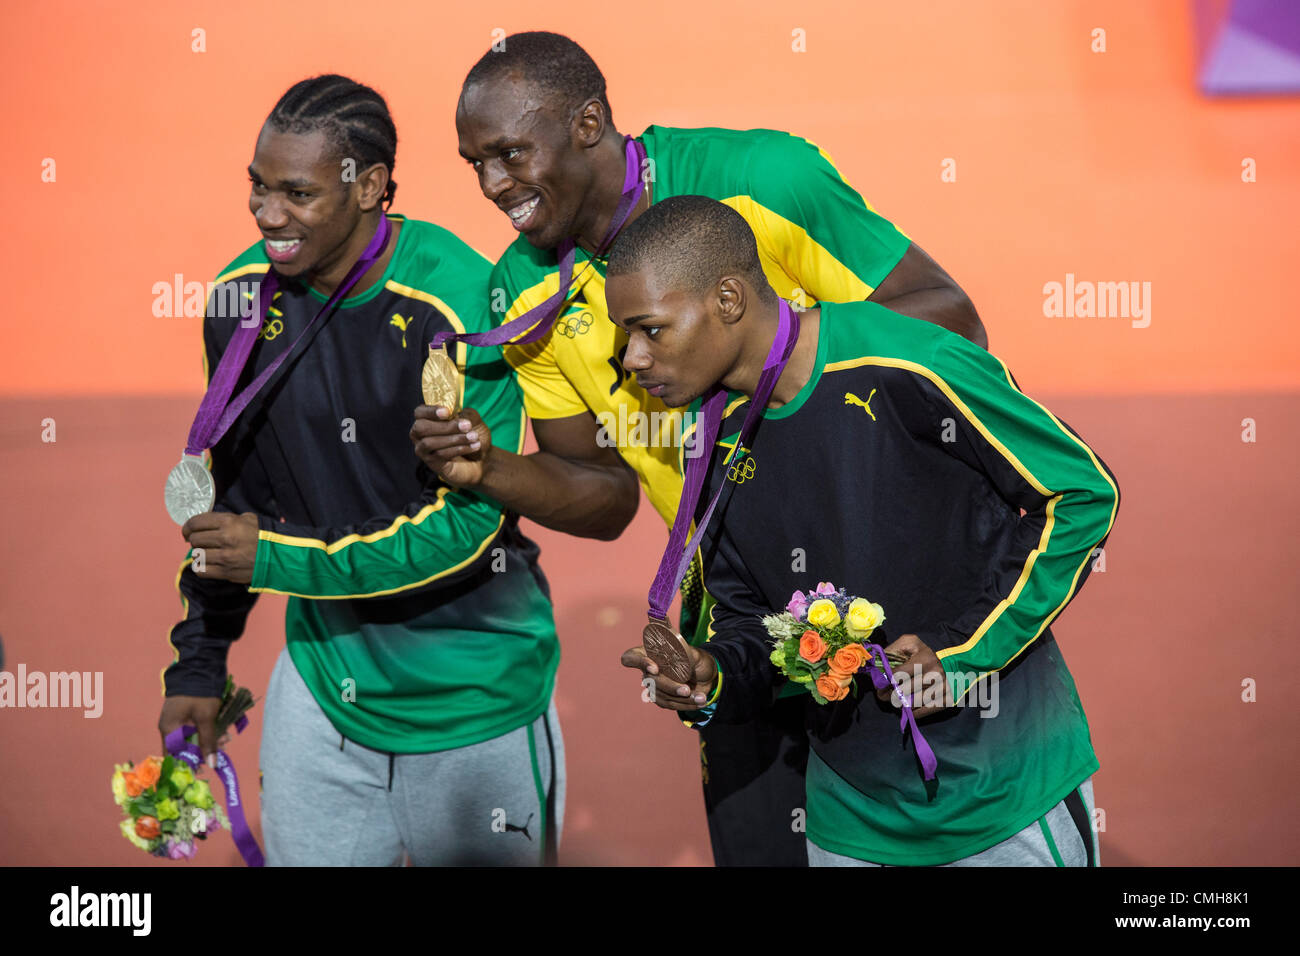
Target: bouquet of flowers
<point>821,640</point>
<point>167,808</point>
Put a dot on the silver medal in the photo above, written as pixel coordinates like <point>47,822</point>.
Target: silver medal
<point>189,490</point>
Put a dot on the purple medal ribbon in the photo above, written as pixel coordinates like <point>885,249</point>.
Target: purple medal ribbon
<point>216,412</point>
<point>544,315</point>
<point>676,559</point>
<point>243,836</point>
<point>907,719</point>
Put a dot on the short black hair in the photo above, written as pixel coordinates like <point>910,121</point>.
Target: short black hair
<point>693,242</point>
<point>548,60</point>
<point>353,116</point>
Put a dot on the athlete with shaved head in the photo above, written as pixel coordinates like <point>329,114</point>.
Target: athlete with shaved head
<point>973,544</point>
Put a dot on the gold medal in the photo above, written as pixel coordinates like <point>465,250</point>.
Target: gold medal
<point>440,380</point>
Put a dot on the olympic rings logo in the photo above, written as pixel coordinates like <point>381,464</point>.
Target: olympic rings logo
<point>270,329</point>
<point>572,326</point>
<point>742,471</point>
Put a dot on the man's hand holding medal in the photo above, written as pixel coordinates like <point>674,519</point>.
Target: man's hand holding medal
<point>225,545</point>
<point>684,676</point>
<point>453,445</point>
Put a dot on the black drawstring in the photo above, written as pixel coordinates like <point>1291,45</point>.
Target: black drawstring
<point>551,851</point>
<point>1079,813</point>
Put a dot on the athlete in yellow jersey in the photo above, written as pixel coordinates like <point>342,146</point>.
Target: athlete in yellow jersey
<point>535,124</point>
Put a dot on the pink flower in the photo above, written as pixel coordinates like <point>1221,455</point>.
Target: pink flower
<point>180,850</point>
<point>826,589</point>
<point>798,605</point>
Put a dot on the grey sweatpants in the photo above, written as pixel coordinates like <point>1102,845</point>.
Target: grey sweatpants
<point>327,801</point>
<point>1052,840</point>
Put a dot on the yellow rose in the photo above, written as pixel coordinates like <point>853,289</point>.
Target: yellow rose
<point>119,787</point>
<point>822,613</point>
<point>863,618</point>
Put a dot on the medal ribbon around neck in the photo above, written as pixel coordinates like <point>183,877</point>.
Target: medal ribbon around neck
<point>542,317</point>
<point>216,412</point>
<point>189,489</point>
<point>676,559</point>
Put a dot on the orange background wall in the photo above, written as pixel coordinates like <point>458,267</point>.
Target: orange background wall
<point>1109,166</point>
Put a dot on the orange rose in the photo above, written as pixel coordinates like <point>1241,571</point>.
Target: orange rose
<point>848,660</point>
<point>149,772</point>
<point>147,827</point>
<point>830,688</point>
<point>811,647</point>
<point>133,786</point>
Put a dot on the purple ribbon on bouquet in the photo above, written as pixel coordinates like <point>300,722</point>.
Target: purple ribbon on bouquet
<point>544,315</point>
<point>178,747</point>
<point>676,559</point>
<point>923,752</point>
<point>217,412</point>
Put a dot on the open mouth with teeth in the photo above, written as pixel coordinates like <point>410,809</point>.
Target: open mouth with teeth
<point>282,250</point>
<point>522,215</point>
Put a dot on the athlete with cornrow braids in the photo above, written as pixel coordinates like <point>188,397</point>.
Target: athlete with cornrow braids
<point>410,715</point>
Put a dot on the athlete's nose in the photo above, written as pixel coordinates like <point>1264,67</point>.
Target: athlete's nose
<point>637,358</point>
<point>269,212</point>
<point>494,181</point>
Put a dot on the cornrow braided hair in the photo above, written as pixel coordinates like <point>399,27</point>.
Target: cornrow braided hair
<point>353,116</point>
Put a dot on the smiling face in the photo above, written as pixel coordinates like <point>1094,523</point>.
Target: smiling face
<point>680,343</point>
<point>306,213</point>
<point>533,163</point>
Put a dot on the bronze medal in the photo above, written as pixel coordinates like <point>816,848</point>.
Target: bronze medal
<point>440,381</point>
<point>666,648</point>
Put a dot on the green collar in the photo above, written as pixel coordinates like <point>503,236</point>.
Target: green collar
<point>796,403</point>
<point>361,298</point>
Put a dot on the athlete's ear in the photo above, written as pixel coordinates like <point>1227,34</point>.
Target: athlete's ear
<point>589,124</point>
<point>372,183</point>
<point>730,299</point>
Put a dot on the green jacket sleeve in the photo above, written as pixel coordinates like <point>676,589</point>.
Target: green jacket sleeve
<point>444,536</point>
<point>1068,495</point>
